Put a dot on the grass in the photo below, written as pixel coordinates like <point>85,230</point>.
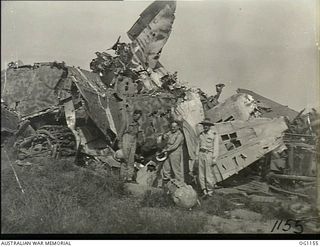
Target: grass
<point>62,198</point>
<point>58,198</point>
<point>156,199</point>
<point>217,205</point>
<point>269,210</point>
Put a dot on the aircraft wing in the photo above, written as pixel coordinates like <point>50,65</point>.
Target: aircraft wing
<point>150,33</point>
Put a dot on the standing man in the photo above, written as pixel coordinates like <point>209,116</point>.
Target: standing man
<point>128,135</point>
<point>172,167</point>
<point>207,153</point>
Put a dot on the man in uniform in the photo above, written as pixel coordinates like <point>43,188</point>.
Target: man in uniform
<point>207,154</point>
<point>172,167</point>
<point>128,140</point>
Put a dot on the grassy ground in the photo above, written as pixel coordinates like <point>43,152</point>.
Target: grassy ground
<point>63,198</point>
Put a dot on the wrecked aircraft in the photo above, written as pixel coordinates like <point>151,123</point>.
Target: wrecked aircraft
<point>9,122</point>
<point>74,112</point>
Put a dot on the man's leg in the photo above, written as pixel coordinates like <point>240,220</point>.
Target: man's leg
<point>125,145</point>
<point>132,152</point>
<point>210,181</point>
<point>201,172</point>
<point>166,171</point>
<point>215,174</point>
<point>175,160</point>
<point>123,171</point>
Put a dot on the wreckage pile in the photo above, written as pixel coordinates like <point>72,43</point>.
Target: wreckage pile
<point>48,141</point>
<point>294,170</point>
<point>69,111</point>
<point>9,121</point>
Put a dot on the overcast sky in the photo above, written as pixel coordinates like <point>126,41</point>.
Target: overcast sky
<point>268,46</point>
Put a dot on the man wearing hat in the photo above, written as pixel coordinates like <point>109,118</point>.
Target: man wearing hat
<point>128,136</point>
<point>208,148</point>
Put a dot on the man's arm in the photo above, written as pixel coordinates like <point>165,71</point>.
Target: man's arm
<point>165,135</point>
<point>215,146</point>
<point>197,149</point>
<point>176,144</point>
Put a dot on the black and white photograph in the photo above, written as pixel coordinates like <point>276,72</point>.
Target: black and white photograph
<point>140,118</point>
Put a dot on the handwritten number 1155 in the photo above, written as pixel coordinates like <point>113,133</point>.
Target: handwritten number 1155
<point>287,225</point>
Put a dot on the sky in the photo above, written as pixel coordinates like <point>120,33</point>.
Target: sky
<point>267,46</point>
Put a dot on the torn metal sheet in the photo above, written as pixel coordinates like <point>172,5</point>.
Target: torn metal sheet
<point>270,108</point>
<point>96,95</point>
<point>9,119</point>
<point>150,33</point>
<point>237,107</point>
<point>71,121</point>
<point>36,88</point>
<point>106,108</point>
<point>243,142</point>
<point>190,109</point>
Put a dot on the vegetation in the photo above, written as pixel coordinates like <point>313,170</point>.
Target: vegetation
<point>62,198</point>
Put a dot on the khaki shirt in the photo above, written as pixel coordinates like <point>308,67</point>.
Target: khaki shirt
<point>130,127</point>
<point>175,141</point>
<point>210,142</point>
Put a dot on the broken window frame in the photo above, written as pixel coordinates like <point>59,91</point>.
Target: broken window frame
<point>231,141</point>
